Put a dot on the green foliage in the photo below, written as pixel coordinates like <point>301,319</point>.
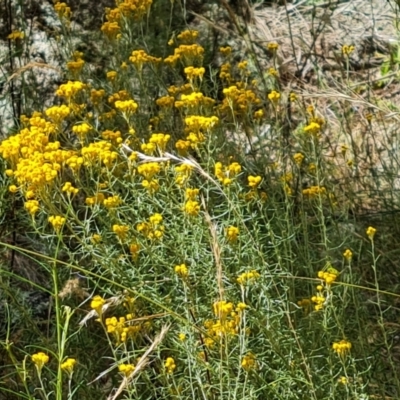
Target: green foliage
<point>181,236</point>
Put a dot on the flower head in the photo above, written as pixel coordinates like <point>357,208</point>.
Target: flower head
<point>40,359</point>
<point>68,365</point>
<point>371,232</point>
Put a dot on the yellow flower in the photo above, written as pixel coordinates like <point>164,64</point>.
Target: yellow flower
<point>134,249</point>
<point>347,50</point>
<point>16,35</point>
<point>120,230</point>
<point>13,189</point>
<point>246,277</point>
<point>56,221</point>
<point>343,380</point>
<point>371,232</point>
<point>348,255</point>
<point>192,208</point>
<point>97,304</point>
<point>342,347</point>
<point>182,337</point>
<point>249,362</point>
<point>298,158</point>
<point>232,233</point>
<point>170,365</point>
<point>69,188</point>
<point>192,72</point>
<point>182,270</point>
<point>328,276</point>
<point>40,359</point>
<point>274,96</point>
<point>254,181</point>
<point>273,46</point>
<point>62,10</point>
<point>112,201</point>
<point>126,369</point>
<point>319,302</point>
<point>32,206</point>
<point>313,128</point>
<point>68,365</point>
<point>226,51</point>
<point>111,75</point>
<point>127,106</point>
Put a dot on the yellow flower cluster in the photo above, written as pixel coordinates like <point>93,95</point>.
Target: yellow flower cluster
<point>347,49</point>
<point>225,73</point>
<point>298,158</point>
<point>348,254</point>
<point>194,99</point>
<point>183,173</point>
<point>135,9</point>
<point>153,229</point>
<point>69,188</point>
<point>75,66</point>
<point>112,201</point>
<point>188,36</point>
<point>134,249</point>
<point>68,365</point>
<point>328,276</point>
<point>371,232</point>
<point>62,10</point>
<point>227,321</point>
<point>319,301</point>
<point>111,29</point>
<point>40,359</point>
<point>170,365</point>
<point>226,174</point>
<point>96,199</point>
<point>113,137</point>
<point>56,221</point>
<point>239,101</point>
<point>97,95</point>
<point>70,89</point>
<point>274,96</point>
<point>97,304</point>
<point>126,369</point>
<point>313,128</point>
<point>314,191</point>
<point>196,126</point>
<point>99,152</point>
<point>160,140</point>
<point>165,101</point>
<point>120,230</point>
<point>121,329</point>
<point>254,181</point>
<point>140,57</point>
<point>192,206</point>
<point>16,35</point>
<point>81,130</point>
<point>249,362</point>
<point>247,277</point>
<point>127,107</point>
<point>232,233</point>
<point>342,347</point>
<point>182,270</point>
<point>58,113</point>
<point>32,206</point>
<point>226,51</point>
<point>192,72</point>
<point>189,54</point>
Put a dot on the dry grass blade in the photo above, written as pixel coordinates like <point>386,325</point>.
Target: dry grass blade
<point>29,66</point>
<point>215,248</point>
<point>142,362</point>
